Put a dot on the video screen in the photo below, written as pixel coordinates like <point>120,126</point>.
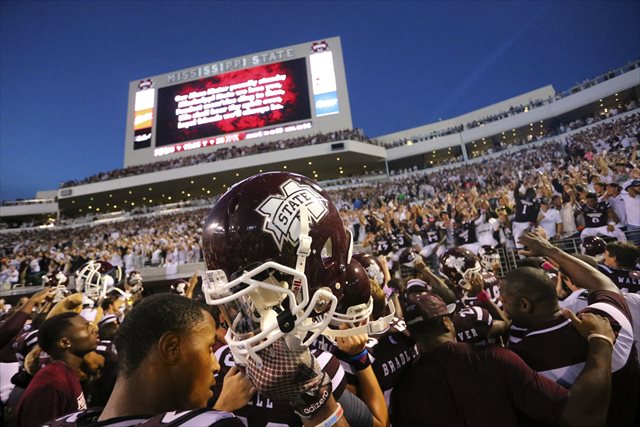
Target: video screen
<point>245,99</point>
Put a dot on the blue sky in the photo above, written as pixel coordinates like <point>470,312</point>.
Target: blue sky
<point>65,66</point>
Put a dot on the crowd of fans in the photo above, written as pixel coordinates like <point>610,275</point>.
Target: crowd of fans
<point>151,240</point>
<point>223,153</point>
<point>475,197</point>
<point>555,341</point>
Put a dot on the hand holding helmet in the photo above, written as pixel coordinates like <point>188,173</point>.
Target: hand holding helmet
<point>288,372</point>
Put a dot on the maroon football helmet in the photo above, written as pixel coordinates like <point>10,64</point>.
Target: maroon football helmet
<point>278,259</point>
<point>373,267</point>
<point>593,246</point>
<point>375,271</point>
<point>406,262</point>
<point>489,258</point>
<point>180,287</point>
<point>134,282</point>
<point>458,264</point>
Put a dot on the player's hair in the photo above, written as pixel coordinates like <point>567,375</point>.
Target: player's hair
<point>148,321</point>
<point>592,196</point>
<point>625,253</point>
<point>52,330</point>
<point>531,283</point>
<point>108,331</point>
<point>109,299</point>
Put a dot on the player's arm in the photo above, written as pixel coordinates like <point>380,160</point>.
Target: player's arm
<point>193,281</point>
<point>331,414</point>
<point>432,279</point>
<point>501,323</point>
<point>368,387</point>
<point>580,272</point>
<point>613,218</point>
<point>516,190</point>
<point>559,226</point>
<point>589,396</point>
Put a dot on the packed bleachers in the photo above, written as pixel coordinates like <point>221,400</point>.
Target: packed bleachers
<point>568,168</point>
<point>223,153</point>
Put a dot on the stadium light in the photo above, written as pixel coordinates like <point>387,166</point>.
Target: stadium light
<point>338,158</point>
<point>310,163</point>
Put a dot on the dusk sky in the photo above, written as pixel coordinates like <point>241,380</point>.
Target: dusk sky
<point>65,66</point>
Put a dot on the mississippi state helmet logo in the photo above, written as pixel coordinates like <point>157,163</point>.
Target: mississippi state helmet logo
<point>281,212</point>
<point>456,263</point>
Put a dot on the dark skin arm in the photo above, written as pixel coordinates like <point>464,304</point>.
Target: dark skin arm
<point>589,396</point>
<point>501,322</point>
<point>434,281</point>
<point>581,273</point>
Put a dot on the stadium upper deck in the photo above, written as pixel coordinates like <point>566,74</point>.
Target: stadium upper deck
<point>347,153</point>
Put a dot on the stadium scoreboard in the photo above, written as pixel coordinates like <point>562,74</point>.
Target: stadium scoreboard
<point>283,93</point>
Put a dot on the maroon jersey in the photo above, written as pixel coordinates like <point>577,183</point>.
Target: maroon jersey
<point>390,354</point>
<point>195,417</point>
<point>55,390</point>
<point>261,411</point>
<point>557,351</point>
<point>491,286</point>
<point>25,342</point>
<point>459,384</point>
<point>99,390</point>
<point>626,280</point>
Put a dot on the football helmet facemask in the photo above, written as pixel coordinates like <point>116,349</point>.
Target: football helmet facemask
<point>97,278</point>
<point>490,258</point>
<point>279,261</point>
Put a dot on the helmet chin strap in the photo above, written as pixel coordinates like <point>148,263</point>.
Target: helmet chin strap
<point>304,245</point>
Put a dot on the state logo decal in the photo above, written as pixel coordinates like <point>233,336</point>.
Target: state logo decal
<point>282,212</point>
<point>457,263</point>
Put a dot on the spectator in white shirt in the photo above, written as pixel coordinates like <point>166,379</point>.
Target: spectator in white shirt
<point>550,220</point>
<point>631,197</point>
<point>617,202</point>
